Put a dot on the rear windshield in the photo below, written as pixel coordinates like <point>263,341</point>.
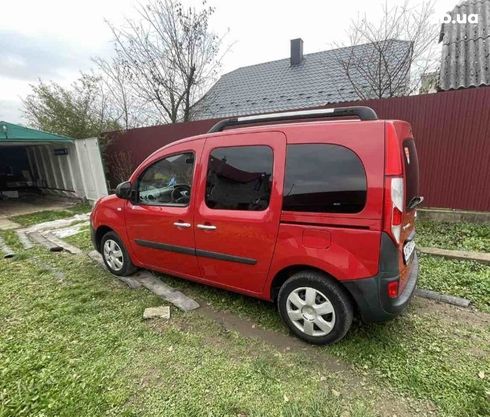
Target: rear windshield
<point>411,162</point>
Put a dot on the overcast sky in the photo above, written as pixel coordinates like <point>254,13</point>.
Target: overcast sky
<point>55,39</point>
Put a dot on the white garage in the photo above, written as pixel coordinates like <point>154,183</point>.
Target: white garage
<point>41,163</point>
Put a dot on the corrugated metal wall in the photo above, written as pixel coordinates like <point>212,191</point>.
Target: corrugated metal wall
<point>80,171</point>
<point>451,129</point>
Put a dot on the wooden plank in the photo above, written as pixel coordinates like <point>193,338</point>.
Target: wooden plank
<point>457,254</point>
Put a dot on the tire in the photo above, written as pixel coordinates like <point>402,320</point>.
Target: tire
<point>115,255</point>
<point>302,299</point>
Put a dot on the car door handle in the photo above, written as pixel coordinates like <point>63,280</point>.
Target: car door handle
<point>206,227</point>
<point>182,224</point>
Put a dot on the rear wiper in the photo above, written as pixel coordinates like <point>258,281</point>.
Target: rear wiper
<point>414,202</point>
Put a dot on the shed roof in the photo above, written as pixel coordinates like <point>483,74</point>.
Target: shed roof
<point>465,58</point>
<point>10,132</point>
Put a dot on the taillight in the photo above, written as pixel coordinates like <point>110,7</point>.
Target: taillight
<point>392,289</point>
<point>394,188</point>
<point>397,207</point>
<point>393,159</point>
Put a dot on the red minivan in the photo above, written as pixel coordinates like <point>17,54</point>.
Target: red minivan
<point>315,215</point>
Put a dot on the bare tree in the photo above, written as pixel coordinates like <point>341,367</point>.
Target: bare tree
<point>388,57</point>
<point>131,110</point>
<point>169,56</point>
<point>121,165</point>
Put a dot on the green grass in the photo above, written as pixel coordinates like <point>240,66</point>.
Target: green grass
<point>460,236</point>
<point>49,215</point>
<point>78,346</point>
<point>90,326</point>
<point>465,279</point>
<point>81,239</point>
<point>423,354</point>
<point>420,353</point>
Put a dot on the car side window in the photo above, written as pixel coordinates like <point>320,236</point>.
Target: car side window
<point>239,178</point>
<point>168,181</point>
<point>324,178</point>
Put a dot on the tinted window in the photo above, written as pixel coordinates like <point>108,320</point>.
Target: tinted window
<point>168,181</point>
<point>411,162</point>
<point>323,178</point>
<point>239,178</point>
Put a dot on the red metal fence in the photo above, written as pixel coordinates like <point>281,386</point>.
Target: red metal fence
<point>451,129</point>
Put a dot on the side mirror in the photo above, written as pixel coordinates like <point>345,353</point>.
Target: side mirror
<point>123,190</point>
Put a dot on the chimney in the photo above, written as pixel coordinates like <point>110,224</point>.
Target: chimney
<point>296,51</point>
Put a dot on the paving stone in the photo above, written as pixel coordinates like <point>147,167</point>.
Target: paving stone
<point>158,287</point>
<point>162,312</point>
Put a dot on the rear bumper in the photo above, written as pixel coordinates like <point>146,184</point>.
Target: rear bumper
<point>371,294</point>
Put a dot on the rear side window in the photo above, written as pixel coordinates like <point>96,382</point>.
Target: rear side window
<point>239,178</point>
<point>411,162</point>
<point>323,178</point>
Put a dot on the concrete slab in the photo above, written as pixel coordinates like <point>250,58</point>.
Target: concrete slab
<point>158,287</point>
<point>6,224</point>
<point>41,240</point>
<point>444,298</point>
<point>24,239</point>
<point>148,280</point>
<point>5,249</point>
<point>32,204</point>
<point>65,245</point>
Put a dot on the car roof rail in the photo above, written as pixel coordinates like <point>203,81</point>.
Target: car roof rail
<point>362,112</point>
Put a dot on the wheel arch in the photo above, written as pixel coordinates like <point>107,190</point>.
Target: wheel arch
<point>99,233</point>
<point>282,276</point>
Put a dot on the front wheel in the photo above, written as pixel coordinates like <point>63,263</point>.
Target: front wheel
<point>315,308</point>
<point>115,255</point>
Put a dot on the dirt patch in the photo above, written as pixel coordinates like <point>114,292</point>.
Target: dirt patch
<point>353,381</point>
<point>451,313</point>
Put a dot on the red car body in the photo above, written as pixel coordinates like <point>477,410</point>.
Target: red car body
<point>254,252</point>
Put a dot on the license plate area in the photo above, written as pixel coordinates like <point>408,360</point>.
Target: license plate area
<point>408,250</point>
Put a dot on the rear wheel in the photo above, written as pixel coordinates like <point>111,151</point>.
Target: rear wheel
<point>315,308</point>
<point>115,255</point>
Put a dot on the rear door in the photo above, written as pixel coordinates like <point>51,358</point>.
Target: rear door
<point>411,179</point>
<point>238,210</point>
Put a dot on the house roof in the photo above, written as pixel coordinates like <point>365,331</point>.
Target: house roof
<point>465,60</point>
<point>277,85</point>
<point>10,132</point>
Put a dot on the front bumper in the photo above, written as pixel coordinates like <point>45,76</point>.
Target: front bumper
<point>93,238</point>
<point>370,294</point>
